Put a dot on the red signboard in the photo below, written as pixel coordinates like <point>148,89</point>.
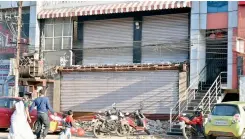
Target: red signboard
<point>242,3</point>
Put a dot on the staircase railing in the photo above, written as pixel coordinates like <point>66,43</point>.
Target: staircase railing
<point>188,96</point>
<point>212,95</point>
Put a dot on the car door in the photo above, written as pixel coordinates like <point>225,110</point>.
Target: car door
<point>4,113</point>
<point>10,104</point>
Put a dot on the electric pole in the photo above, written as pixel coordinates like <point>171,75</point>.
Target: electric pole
<point>16,93</point>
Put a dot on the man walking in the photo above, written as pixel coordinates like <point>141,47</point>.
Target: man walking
<point>43,106</point>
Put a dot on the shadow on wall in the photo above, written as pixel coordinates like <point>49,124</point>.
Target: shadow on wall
<point>231,97</point>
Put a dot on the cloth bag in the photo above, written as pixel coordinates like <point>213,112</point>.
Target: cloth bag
<point>53,126</point>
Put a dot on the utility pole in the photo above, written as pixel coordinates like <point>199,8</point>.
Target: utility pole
<point>16,93</point>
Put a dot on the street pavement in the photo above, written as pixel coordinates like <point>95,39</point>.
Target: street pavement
<point>4,135</point>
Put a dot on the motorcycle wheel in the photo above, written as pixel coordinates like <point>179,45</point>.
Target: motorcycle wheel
<point>112,126</point>
<point>187,133</point>
<point>147,132</point>
<point>123,130</point>
<point>97,131</point>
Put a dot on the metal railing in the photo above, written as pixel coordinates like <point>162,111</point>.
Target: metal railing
<point>189,95</point>
<point>213,94</point>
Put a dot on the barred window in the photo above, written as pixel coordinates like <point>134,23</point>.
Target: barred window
<point>58,34</point>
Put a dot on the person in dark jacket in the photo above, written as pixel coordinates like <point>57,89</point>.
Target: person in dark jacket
<point>43,106</point>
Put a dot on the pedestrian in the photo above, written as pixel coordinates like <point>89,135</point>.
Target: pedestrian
<point>67,124</point>
<point>20,128</point>
<point>43,106</point>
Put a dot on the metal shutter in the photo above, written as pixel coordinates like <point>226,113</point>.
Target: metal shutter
<point>96,91</point>
<point>165,38</point>
<point>102,35</point>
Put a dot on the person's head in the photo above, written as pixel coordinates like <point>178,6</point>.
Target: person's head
<point>70,113</point>
<point>26,97</point>
<point>41,93</point>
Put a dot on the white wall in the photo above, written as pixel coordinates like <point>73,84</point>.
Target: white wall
<point>34,28</point>
<point>13,4</point>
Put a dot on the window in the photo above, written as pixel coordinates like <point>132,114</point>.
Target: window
<point>225,110</point>
<point>12,103</point>
<point>58,34</point>
<point>217,6</point>
<point>3,103</point>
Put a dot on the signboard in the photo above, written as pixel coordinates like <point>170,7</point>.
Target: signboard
<point>4,70</point>
<point>242,88</point>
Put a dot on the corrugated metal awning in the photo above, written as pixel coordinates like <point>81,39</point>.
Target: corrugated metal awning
<point>113,8</point>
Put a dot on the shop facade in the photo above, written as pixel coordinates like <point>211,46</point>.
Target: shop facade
<point>114,35</point>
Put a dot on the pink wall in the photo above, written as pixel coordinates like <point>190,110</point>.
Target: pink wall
<point>217,20</point>
<point>234,65</point>
<point>241,26</point>
<point>241,21</point>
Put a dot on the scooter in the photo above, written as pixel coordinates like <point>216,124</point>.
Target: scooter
<point>192,125</point>
<point>137,122</point>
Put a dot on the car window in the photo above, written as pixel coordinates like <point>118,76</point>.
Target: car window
<point>225,110</point>
<point>12,103</point>
<point>3,103</point>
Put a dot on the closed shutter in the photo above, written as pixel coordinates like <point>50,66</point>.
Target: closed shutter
<point>165,38</point>
<point>100,36</point>
<point>96,91</point>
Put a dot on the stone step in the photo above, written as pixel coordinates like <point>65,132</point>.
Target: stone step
<point>196,103</point>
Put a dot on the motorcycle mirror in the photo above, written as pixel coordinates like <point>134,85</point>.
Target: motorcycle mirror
<point>113,105</point>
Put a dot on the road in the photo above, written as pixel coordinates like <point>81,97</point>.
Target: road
<point>4,135</point>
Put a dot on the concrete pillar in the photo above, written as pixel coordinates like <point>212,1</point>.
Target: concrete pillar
<point>56,96</point>
<point>198,43</point>
<point>34,30</point>
<point>232,24</point>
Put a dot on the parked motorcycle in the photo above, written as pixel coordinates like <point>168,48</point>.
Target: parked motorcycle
<point>137,122</point>
<point>192,125</point>
<point>123,127</point>
<point>106,124</point>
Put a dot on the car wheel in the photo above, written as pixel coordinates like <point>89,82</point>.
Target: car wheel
<point>34,128</point>
<point>3,129</point>
<point>210,137</point>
